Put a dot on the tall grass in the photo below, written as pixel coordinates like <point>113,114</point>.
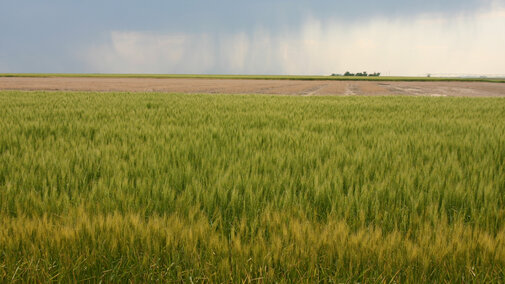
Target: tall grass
<point>168,187</point>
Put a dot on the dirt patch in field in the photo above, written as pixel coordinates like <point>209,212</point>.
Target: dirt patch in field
<point>238,86</point>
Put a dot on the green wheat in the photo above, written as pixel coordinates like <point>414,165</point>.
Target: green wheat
<point>220,188</point>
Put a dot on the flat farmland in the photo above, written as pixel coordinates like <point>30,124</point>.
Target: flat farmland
<point>157,187</point>
<point>290,86</point>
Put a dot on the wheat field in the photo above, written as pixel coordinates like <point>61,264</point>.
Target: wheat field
<point>147,187</point>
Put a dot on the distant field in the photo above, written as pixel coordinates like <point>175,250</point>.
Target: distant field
<point>144,187</point>
<point>257,86</point>
<point>258,77</point>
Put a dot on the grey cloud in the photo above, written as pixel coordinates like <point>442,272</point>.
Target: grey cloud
<point>425,44</point>
<point>48,36</point>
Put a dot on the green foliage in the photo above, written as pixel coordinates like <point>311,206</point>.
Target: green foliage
<point>221,188</point>
<point>365,74</point>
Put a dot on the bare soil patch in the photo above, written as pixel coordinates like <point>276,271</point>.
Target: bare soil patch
<point>239,86</point>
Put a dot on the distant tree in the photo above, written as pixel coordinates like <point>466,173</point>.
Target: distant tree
<point>362,74</point>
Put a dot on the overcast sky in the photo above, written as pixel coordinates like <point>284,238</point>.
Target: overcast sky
<point>253,37</point>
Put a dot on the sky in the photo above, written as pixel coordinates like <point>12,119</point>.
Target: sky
<point>299,37</point>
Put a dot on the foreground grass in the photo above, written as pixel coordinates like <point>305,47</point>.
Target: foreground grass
<point>258,77</point>
<point>157,187</point>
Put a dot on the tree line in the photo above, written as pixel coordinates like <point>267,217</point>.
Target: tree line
<point>360,74</point>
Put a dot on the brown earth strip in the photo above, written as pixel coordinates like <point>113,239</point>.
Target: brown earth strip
<point>238,86</point>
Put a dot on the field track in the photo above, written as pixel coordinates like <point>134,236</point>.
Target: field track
<point>244,86</point>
